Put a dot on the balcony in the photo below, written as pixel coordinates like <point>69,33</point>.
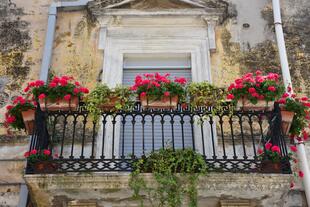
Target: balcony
<point>228,141</point>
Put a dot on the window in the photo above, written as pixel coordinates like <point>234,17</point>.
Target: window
<point>158,132</point>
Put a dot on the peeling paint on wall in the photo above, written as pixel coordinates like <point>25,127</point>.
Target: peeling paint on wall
<point>22,32</point>
<point>75,47</point>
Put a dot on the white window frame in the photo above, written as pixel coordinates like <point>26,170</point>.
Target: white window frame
<point>115,47</point>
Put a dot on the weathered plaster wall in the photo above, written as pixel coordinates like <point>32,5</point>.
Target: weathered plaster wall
<point>239,49</point>
<point>242,49</point>
<point>22,33</point>
<point>75,50</point>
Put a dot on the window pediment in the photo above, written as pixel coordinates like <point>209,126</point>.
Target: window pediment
<point>157,4</point>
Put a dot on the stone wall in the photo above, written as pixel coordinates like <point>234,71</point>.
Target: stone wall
<point>111,190</point>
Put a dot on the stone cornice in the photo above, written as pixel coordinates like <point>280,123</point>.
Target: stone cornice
<point>211,182</point>
<point>194,3</point>
<point>207,9</point>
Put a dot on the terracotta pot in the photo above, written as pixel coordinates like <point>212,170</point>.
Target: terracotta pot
<point>261,105</point>
<point>110,105</point>
<point>60,104</point>
<point>29,120</point>
<point>164,102</point>
<point>45,167</point>
<point>287,119</point>
<point>267,166</point>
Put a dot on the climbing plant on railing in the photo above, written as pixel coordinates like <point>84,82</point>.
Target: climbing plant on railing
<point>176,173</point>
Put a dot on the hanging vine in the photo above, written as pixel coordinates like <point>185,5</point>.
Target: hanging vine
<point>176,173</point>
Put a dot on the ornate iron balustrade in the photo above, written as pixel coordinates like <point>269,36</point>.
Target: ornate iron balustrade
<point>227,141</point>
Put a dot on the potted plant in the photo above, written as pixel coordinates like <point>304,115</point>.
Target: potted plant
<point>206,95</point>
<point>256,91</point>
<point>159,91</point>
<point>21,115</point>
<point>102,98</point>
<point>61,93</point>
<point>40,160</point>
<point>295,113</point>
<point>271,158</point>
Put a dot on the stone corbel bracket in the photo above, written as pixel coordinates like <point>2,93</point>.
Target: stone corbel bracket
<point>211,26</point>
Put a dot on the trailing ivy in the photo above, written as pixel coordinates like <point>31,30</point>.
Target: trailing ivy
<point>176,173</point>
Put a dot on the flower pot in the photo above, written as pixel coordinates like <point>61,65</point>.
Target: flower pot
<point>164,102</point>
<point>261,105</point>
<point>29,120</point>
<point>287,119</point>
<point>267,166</point>
<point>110,105</point>
<point>44,166</point>
<point>59,104</point>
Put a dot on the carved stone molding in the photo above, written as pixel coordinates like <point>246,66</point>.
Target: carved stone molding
<point>207,8</point>
<point>130,3</point>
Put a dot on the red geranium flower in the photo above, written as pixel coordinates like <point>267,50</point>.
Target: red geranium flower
<point>76,90</point>
<point>252,90</point>
<point>272,88</point>
<point>143,94</point>
<point>10,119</point>
<point>67,97</point>
<point>42,96</point>
<point>275,149</point>
<point>305,135</point>
<point>260,151</point>
<point>230,96</point>
<point>180,80</point>
<point>9,107</point>
<point>285,95</point>
<point>268,145</point>
<point>46,152</point>
<point>27,154</point>
<point>52,84</point>
<point>293,148</point>
<point>63,82</point>
<point>304,98</point>
<point>166,93</point>
<point>84,90</point>
<point>26,89</point>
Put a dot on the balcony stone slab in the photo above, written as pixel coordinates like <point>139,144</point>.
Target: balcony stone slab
<point>112,190</point>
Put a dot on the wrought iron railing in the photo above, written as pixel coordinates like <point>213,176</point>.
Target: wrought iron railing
<point>227,140</point>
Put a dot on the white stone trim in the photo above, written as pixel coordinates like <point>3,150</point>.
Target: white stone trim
<point>122,35</point>
<point>164,12</point>
<point>102,38</point>
<point>211,36</point>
